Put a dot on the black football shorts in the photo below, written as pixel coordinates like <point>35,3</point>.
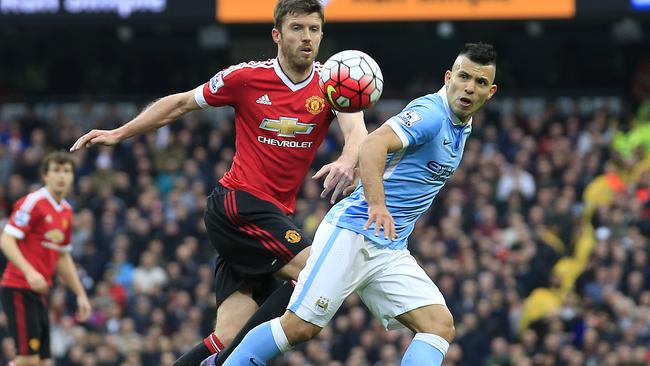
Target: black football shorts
<point>27,320</point>
<point>253,239</point>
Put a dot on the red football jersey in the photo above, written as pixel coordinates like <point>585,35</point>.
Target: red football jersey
<point>43,228</point>
<point>278,127</point>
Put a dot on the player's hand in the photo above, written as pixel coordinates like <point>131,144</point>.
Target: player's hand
<point>96,137</point>
<point>37,282</point>
<point>83,308</point>
<point>355,181</point>
<point>339,176</point>
<point>381,217</point>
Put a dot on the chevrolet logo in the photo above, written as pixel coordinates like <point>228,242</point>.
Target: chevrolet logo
<point>287,127</point>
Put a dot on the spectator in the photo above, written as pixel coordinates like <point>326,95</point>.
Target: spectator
<point>508,216</point>
<point>148,275</point>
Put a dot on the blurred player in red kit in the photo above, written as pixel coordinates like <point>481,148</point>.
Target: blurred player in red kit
<point>36,241</point>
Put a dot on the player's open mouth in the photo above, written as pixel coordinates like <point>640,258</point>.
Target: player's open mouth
<point>306,51</point>
<point>465,102</point>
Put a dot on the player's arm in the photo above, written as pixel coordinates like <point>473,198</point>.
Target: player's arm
<point>69,276</point>
<point>372,162</point>
<point>9,247</point>
<point>340,173</point>
<point>158,114</point>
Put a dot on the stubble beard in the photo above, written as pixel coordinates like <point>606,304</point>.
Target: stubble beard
<point>298,63</point>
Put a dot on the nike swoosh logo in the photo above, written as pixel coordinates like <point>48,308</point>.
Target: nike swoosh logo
<point>446,142</point>
<point>330,90</point>
<point>253,362</point>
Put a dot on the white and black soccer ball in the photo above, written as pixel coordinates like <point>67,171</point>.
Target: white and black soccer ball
<point>351,81</point>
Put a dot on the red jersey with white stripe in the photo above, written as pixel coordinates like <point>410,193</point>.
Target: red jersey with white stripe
<point>278,127</point>
<point>43,228</point>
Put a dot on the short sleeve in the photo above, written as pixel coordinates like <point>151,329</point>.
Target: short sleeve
<point>222,89</point>
<point>417,124</point>
<point>21,220</point>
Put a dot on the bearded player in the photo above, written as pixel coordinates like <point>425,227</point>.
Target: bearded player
<point>280,120</point>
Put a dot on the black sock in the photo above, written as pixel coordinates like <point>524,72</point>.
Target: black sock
<point>194,357</point>
<point>274,306</point>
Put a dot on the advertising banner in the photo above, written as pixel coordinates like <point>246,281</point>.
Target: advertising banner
<point>111,10</point>
<point>260,11</point>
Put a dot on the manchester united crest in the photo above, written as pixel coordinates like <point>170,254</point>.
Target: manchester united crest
<point>315,104</point>
<point>65,223</point>
<point>292,236</point>
<point>55,236</point>
<point>35,344</point>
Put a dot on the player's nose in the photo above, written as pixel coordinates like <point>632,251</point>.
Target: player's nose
<point>469,87</point>
<point>306,36</point>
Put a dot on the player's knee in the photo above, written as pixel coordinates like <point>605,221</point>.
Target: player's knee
<point>448,332</point>
<point>292,269</point>
<point>302,332</point>
<point>442,324</point>
<point>28,361</point>
<point>298,330</point>
<point>436,320</point>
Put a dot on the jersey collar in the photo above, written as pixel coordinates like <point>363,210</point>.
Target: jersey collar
<point>452,117</point>
<point>287,81</point>
<point>58,207</point>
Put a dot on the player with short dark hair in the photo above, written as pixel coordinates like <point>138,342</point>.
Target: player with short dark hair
<point>36,241</point>
<point>293,7</point>
<point>281,118</point>
<point>361,245</point>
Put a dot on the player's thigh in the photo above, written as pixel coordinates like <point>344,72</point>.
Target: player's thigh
<point>27,321</point>
<point>253,235</point>
<point>399,286</point>
<point>296,329</point>
<point>435,319</point>
<point>335,268</point>
<point>291,270</point>
<point>233,312</point>
<point>33,360</point>
<point>279,237</point>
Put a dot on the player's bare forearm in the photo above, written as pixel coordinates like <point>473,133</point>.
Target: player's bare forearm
<point>339,174</point>
<point>354,132</point>
<point>372,162</point>
<point>160,113</point>
<point>68,273</point>
<point>69,276</point>
<point>10,249</point>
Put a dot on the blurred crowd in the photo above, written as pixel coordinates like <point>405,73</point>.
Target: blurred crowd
<point>510,213</point>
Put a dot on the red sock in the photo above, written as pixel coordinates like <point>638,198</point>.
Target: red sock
<point>213,343</point>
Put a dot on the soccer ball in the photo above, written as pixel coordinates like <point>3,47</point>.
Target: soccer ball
<point>351,81</point>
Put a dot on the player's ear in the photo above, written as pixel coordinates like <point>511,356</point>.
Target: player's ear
<point>493,89</point>
<point>447,77</point>
<point>276,35</point>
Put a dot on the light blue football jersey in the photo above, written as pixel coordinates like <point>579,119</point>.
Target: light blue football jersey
<point>433,140</point>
